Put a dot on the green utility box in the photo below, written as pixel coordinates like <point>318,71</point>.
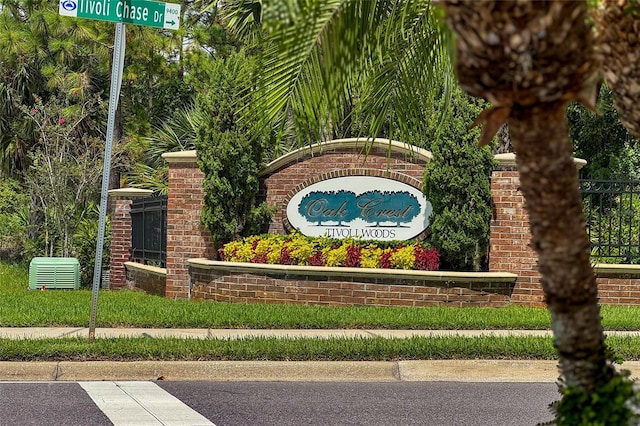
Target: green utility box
<point>54,273</point>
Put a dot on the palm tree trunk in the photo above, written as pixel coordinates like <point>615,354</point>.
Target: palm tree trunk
<point>549,183</point>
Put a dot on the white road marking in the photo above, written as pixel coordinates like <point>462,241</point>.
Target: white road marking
<point>141,404</point>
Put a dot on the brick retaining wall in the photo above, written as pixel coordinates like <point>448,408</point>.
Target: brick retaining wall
<point>150,279</point>
<point>313,285</point>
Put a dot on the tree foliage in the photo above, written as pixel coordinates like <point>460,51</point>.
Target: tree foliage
<point>59,66</point>
<point>226,155</point>
<point>64,172</point>
<point>601,139</point>
<point>326,64</point>
<point>456,182</point>
<point>14,219</point>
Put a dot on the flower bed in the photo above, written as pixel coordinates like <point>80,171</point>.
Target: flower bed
<point>296,249</point>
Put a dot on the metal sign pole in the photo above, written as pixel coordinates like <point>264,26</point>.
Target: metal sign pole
<point>114,96</point>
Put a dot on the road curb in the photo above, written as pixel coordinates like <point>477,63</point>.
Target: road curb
<point>200,370</point>
<point>329,371</point>
<point>326,371</point>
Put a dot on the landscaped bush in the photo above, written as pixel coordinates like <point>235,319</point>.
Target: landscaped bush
<point>296,249</point>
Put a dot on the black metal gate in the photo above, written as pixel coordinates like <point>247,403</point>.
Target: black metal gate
<point>149,230</point>
<point>612,210</point>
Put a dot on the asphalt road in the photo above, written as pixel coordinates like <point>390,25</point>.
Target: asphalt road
<point>274,403</point>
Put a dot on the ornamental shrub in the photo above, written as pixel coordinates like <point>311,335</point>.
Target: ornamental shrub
<point>337,256</point>
<point>354,254</point>
<point>457,184</point>
<point>296,249</point>
<point>427,258</point>
<point>229,159</point>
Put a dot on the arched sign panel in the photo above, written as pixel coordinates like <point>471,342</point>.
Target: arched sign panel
<point>366,207</point>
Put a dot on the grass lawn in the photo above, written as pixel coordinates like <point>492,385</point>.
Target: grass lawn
<point>20,307</point>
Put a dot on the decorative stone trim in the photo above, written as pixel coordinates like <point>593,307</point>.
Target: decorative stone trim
<point>181,157</point>
<point>146,268</point>
<point>262,268</point>
<point>130,192</point>
<point>616,269</point>
<point>507,161</point>
<point>355,144</point>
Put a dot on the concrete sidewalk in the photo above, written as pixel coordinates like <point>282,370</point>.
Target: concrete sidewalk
<point>203,333</point>
<point>439,370</point>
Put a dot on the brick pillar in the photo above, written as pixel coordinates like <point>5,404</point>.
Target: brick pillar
<point>510,248</point>
<point>120,252</point>
<point>510,238</point>
<point>187,238</point>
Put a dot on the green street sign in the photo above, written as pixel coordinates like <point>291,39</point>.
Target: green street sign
<point>137,12</point>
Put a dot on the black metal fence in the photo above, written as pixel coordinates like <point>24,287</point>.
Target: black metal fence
<point>612,210</point>
<point>149,230</point>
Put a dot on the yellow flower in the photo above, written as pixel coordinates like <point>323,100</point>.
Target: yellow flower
<point>370,257</point>
<point>336,257</point>
<point>403,258</point>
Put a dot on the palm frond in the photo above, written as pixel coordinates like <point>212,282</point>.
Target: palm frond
<point>177,133</point>
<point>322,58</point>
<point>146,177</point>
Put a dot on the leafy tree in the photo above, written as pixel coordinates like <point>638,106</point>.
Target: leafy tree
<point>64,173</point>
<point>600,138</point>
<point>40,54</point>
<point>373,75</point>
<point>177,133</point>
<point>227,157</point>
<point>456,182</point>
<point>84,243</point>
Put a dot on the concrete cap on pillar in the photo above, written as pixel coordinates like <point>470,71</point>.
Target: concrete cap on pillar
<point>181,157</point>
<point>130,192</point>
<point>509,160</point>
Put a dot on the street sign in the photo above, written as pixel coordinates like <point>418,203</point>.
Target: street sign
<point>137,12</point>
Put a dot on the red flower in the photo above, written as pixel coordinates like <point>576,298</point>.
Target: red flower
<point>34,110</point>
<point>427,259</point>
<point>61,121</point>
<point>385,259</point>
<point>316,259</point>
<point>285,257</point>
<point>354,253</point>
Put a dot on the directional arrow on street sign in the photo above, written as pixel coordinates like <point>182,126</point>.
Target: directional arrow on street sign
<point>138,12</point>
